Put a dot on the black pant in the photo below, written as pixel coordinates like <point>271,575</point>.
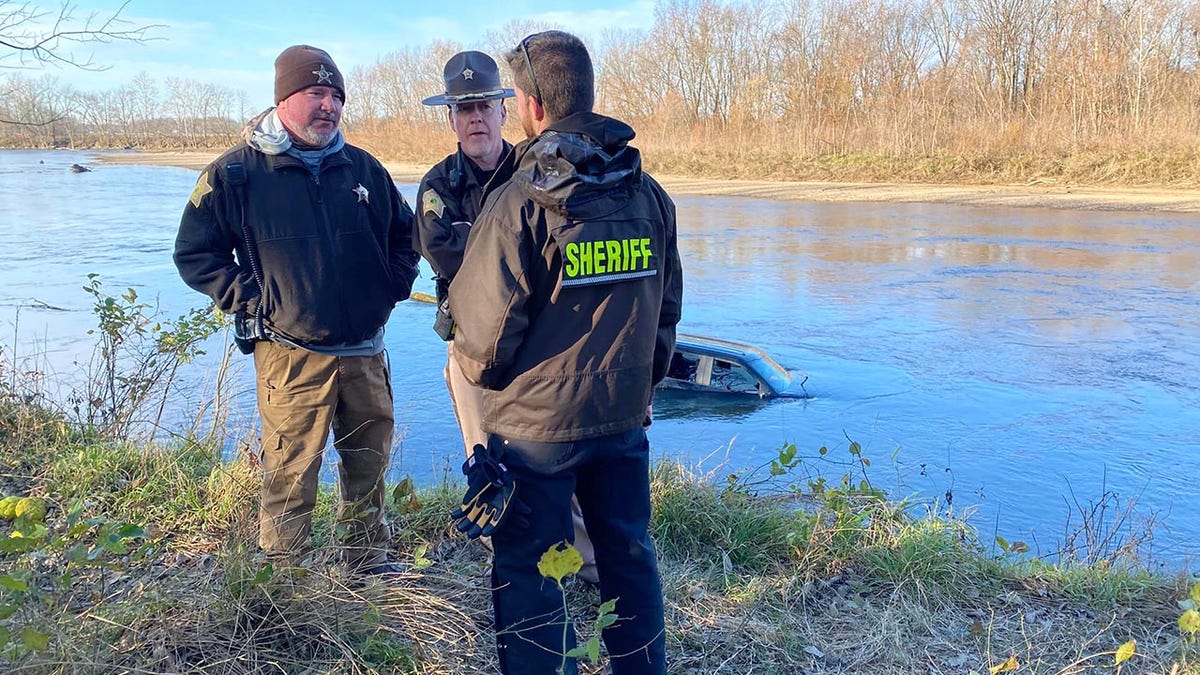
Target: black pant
<point>611,477</point>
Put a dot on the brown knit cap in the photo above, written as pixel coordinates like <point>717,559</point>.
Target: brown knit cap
<point>301,66</point>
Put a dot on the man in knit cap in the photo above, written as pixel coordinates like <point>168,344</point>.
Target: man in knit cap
<point>305,240</point>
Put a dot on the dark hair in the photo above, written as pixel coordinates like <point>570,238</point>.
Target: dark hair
<point>554,67</point>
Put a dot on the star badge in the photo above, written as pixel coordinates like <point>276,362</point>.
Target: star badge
<point>361,192</point>
<point>203,187</point>
<point>431,202</point>
<point>468,74</point>
<point>323,75</point>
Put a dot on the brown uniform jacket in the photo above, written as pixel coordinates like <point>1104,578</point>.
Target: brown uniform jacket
<point>571,287</point>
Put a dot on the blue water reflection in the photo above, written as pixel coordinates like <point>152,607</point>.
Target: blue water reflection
<point>1008,357</point>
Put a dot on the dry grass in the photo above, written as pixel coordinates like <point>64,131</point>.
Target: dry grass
<point>865,590</point>
<point>727,152</point>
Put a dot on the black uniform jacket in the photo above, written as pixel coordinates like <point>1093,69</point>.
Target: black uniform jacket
<point>334,250</point>
<point>446,209</point>
<point>571,287</point>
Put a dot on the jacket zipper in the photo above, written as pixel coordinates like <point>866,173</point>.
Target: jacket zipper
<point>330,241</point>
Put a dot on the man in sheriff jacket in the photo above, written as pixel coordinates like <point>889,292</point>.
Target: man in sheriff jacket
<point>449,199</point>
<point>567,302</point>
<point>306,241</point>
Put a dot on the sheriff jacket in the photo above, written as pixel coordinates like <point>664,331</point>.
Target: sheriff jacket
<point>335,250</point>
<point>571,287</point>
<point>445,212</point>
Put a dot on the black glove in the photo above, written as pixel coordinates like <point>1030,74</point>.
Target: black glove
<point>491,498</point>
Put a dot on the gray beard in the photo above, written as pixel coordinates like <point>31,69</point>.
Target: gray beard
<point>315,139</point>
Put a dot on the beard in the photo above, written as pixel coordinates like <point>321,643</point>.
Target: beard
<point>316,138</point>
<point>312,134</point>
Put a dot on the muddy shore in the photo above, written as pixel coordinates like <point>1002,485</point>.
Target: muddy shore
<point>1039,195</point>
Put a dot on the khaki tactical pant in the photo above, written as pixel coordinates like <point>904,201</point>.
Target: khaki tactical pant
<point>301,396</point>
<point>467,400</point>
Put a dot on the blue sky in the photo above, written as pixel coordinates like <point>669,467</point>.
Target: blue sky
<point>235,43</point>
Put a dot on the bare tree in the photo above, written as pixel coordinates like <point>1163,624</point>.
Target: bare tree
<point>32,35</point>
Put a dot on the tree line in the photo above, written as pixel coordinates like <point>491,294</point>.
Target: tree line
<point>901,78</point>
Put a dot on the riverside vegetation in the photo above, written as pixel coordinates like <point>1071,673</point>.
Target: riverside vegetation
<point>922,91</point>
<point>144,560</point>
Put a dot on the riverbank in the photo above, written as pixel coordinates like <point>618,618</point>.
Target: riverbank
<point>144,560</point>
<point>146,564</point>
<point>1034,195</point>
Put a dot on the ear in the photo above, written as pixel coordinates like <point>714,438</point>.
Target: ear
<point>450,116</point>
<point>535,107</point>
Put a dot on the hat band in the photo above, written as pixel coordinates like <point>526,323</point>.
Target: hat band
<point>474,95</point>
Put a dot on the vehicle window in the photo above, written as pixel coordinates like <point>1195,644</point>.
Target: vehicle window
<point>732,377</point>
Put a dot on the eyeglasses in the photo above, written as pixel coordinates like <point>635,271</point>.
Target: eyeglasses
<point>481,107</point>
<point>537,92</point>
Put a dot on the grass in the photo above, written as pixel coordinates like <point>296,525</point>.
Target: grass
<point>146,563</point>
<point>193,596</point>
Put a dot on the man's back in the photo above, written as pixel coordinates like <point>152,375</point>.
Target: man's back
<point>578,253</point>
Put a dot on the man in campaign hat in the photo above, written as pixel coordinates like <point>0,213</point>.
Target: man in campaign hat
<point>306,241</point>
<point>568,299</point>
<point>448,199</point>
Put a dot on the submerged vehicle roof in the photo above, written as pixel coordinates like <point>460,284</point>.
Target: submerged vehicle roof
<point>773,379</point>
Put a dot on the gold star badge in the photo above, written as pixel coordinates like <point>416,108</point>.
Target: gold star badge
<point>362,193</point>
<point>202,188</point>
<point>431,202</point>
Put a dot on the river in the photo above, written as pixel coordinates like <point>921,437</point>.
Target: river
<point>1018,363</point>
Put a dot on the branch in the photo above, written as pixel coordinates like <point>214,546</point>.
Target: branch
<point>21,35</point>
<point>43,123</point>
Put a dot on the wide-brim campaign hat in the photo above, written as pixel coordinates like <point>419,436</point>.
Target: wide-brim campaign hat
<point>470,76</point>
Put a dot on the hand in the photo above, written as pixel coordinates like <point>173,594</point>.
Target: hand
<point>491,498</point>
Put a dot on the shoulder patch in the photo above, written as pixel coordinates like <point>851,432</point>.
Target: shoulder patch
<point>203,187</point>
<point>431,202</point>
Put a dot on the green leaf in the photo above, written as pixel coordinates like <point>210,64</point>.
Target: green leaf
<point>8,610</point>
<point>1002,543</point>
<point>75,514</point>
<point>605,620</point>
<point>5,637</point>
<point>34,639</point>
<point>115,545</point>
<point>1125,652</point>
<point>264,574</point>
<point>593,649</point>
<point>420,562</point>
<point>131,531</point>
<point>19,544</point>
<point>578,652</point>
<point>1195,594</point>
<point>77,553</point>
<point>13,583</point>
<point>608,606</point>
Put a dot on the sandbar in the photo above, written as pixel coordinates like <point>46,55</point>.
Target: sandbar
<point>1042,194</point>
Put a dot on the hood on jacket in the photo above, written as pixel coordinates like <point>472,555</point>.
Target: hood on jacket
<point>581,166</point>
